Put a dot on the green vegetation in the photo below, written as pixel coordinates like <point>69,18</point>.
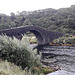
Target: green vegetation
<point>8,68</point>
<point>18,58</point>
<point>62,20</point>
<point>67,39</point>
<point>32,38</point>
<point>18,52</point>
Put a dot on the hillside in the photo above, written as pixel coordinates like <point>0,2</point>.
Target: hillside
<point>62,20</point>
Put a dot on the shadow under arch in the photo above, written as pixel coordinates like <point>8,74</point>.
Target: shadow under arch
<point>38,36</point>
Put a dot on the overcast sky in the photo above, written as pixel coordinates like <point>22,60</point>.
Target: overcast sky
<point>8,6</point>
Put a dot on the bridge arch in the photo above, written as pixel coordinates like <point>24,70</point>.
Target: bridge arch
<point>38,36</point>
<point>38,32</point>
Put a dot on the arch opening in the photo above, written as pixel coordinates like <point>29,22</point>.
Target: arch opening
<point>35,36</point>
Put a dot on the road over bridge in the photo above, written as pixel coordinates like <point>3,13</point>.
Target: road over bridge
<point>43,36</point>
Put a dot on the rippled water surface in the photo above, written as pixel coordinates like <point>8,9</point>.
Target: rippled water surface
<point>62,56</point>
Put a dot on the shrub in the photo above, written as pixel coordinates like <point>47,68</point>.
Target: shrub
<point>18,52</point>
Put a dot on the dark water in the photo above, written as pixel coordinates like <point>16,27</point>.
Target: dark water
<point>62,56</point>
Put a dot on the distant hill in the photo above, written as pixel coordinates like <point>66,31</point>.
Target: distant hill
<point>62,20</point>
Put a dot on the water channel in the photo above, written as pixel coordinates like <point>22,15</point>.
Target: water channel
<point>60,56</point>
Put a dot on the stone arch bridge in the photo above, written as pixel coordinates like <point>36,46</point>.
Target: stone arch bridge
<point>43,36</point>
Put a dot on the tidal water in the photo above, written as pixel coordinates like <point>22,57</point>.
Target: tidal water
<point>60,56</point>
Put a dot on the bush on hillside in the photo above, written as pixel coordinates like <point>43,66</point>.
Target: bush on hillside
<point>18,52</point>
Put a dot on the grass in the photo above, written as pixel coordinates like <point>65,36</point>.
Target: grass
<point>8,68</point>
